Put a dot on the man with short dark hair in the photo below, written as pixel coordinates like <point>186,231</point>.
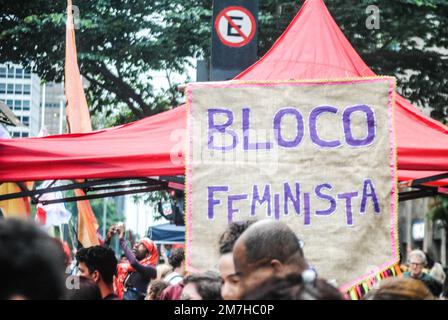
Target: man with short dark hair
<point>175,278</point>
<point>99,264</point>
<point>266,249</point>
<point>177,261</point>
<point>32,263</point>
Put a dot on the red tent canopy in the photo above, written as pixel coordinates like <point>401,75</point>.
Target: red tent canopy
<point>312,47</point>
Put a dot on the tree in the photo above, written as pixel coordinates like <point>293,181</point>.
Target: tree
<point>411,42</point>
<point>113,216</point>
<point>120,42</point>
<point>439,212</point>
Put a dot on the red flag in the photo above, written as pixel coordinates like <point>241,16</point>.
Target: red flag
<point>41,216</point>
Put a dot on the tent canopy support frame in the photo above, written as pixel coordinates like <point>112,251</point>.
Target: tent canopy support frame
<point>164,183</point>
<point>114,187</point>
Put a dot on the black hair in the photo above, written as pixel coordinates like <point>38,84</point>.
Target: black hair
<point>293,287</point>
<point>32,263</point>
<point>177,257</point>
<point>231,234</point>
<point>429,260</point>
<point>101,259</point>
<point>271,240</point>
<point>208,284</point>
<point>85,289</point>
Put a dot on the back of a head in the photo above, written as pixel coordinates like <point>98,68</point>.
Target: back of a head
<point>101,259</point>
<point>293,287</point>
<point>33,265</point>
<point>85,289</point>
<point>399,288</point>
<point>270,239</point>
<point>438,273</point>
<point>208,284</point>
<point>231,234</point>
<point>156,288</point>
<point>177,257</point>
<point>163,270</point>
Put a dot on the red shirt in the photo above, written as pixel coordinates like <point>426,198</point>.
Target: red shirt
<point>172,292</point>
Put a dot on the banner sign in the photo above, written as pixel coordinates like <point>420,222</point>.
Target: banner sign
<point>317,155</point>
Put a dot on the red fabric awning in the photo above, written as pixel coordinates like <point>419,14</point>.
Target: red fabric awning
<point>312,47</point>
<point>138,149</point>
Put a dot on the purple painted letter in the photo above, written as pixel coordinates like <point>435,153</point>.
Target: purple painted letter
<point>213,128</point>
<point>366,194</point>
<point>256,198</point>
<point>313,127</point>
<point>330,199</point>
<point>231,210</point>
<point>277,127</point>
<point>348,205</point>
<point>246,129</point>
<point>370,115</point>
<point>211,201</point>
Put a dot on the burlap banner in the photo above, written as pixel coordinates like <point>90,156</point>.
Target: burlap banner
<point>317,155</point>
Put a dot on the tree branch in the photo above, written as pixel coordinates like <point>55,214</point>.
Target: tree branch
<point>138,113</point>
<point>122,89</point>
<point>171,89</point>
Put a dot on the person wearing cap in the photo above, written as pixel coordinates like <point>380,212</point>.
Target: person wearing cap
<point>133,278</point>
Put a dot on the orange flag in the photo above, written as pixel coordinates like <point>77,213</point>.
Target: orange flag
<point>78,120</point>
<point>15,207</point>
<point>78,116</point>
<point>87,223</point>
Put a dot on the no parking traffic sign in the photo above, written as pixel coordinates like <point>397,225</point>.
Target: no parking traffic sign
<point>235,26</point>
<point>234,38</point>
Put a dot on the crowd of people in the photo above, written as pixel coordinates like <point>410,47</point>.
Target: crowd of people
<point>258,260</point>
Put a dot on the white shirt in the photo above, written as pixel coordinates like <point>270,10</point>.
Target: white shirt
<point>173,278</point>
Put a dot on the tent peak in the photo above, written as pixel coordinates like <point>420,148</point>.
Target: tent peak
<point>312,47</point>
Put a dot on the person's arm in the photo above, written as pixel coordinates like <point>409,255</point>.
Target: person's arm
<point>109,235</point>
<point>148,272</point>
